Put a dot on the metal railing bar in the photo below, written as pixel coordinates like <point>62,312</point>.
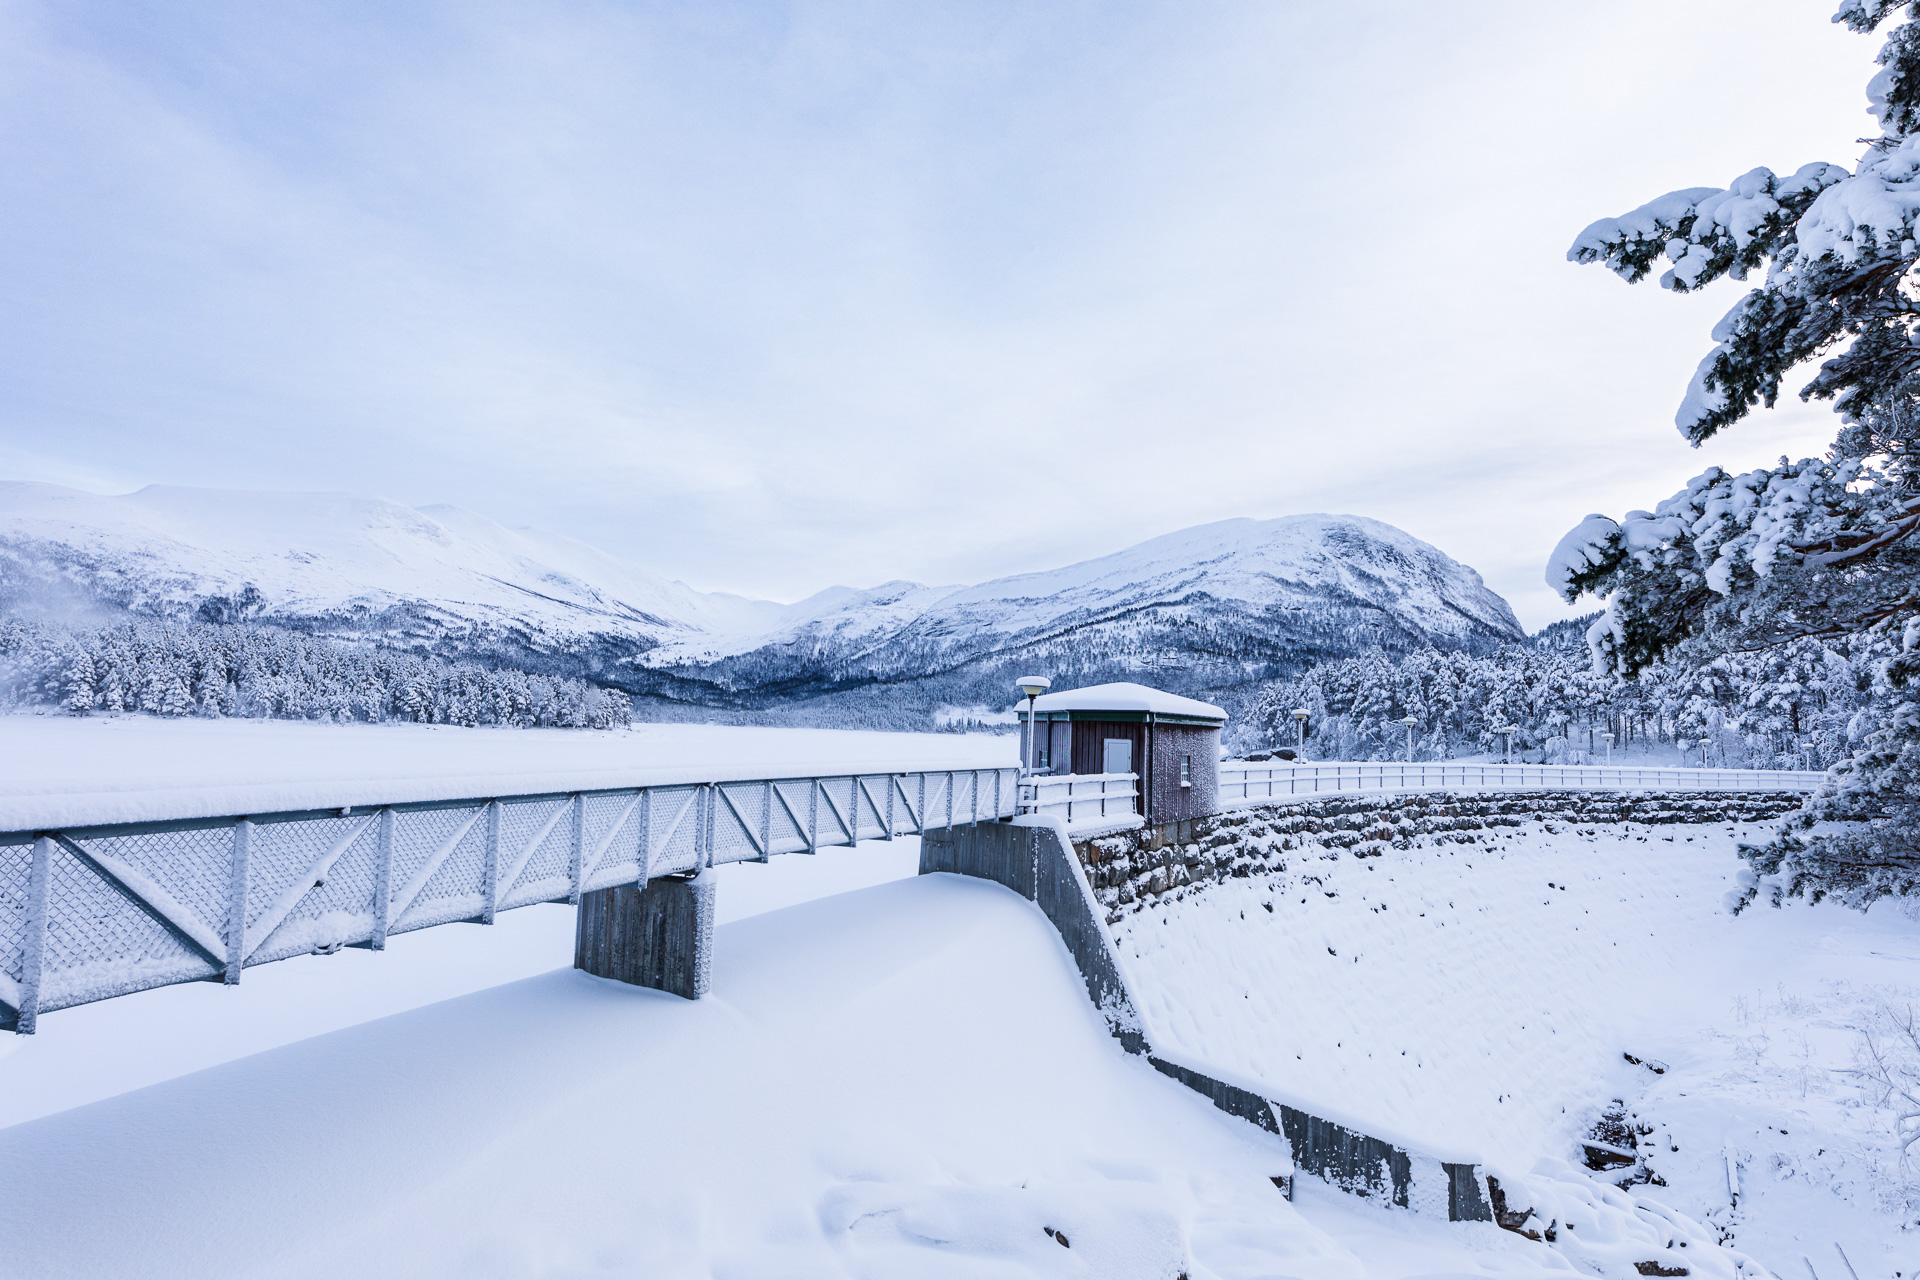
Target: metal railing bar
<point>666,839</point>
<point>878,816</point>
<point>521,859</point>
<point>906,801</point>
<point>26,997</point>
<point>237,903</point>
<point>290,897</point>
<point>606,841</point>
<point>793,817</point>
<point>753,838</point>
<point>383,883</point>
<point>121,877</point>
<point>413,887</point>
<point>841,818</point>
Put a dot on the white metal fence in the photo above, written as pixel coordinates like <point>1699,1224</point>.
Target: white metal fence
<point>91,913</point>
<point>1082,799</point>
<point>1243,784</point>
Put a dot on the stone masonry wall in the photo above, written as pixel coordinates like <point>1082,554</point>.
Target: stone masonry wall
<point>1131,870</point>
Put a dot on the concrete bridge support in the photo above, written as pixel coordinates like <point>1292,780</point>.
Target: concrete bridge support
<point>657,935</point>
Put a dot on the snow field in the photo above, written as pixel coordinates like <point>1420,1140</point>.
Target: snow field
<point>906,1080</point>
<point>1477,1000</point>
<point>58,770</point>
<point>96,1051</point>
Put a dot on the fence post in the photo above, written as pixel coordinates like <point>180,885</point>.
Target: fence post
<point>577,857</point>
<point>490,884</point>
<point>33,946</point>
<point>237,902</point>
<point>705,816</point>
<point>643,853</point>
<point>382,882</point>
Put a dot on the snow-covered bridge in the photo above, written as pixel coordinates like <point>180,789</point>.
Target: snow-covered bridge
<point>89,912</point>
<point>207,882</point>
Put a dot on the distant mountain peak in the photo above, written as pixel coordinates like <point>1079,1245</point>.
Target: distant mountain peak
<point>1207,607</point>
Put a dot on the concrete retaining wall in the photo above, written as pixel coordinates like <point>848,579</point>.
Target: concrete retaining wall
<point>1132,869</point>
<point>1034,858</point>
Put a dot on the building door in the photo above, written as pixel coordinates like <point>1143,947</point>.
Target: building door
<point>1118,756</point>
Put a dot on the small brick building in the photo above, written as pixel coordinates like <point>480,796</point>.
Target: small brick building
<point>1172,742</point>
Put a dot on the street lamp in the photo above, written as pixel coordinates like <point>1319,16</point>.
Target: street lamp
<point>1300,731</point>
<point>1409,722</point>
<point>1607,738</point>
<point>1033,687</point>
<point>1703,752</point>
<point>1509,730</point>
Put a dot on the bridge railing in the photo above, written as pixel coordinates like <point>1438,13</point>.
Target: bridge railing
<point>1082,799</point>
<point>1243,784</point>
<point>89,913</point>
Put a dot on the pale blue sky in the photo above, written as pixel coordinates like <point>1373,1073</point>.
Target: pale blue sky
<point>771,297</point>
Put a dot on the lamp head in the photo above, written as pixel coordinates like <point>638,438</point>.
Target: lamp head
<point>1299,713</point>
<point>1409,722</point>
<point>1033,686</point>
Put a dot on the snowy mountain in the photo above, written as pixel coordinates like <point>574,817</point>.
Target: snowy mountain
<point>1207,608</point>
<point>336,560</point>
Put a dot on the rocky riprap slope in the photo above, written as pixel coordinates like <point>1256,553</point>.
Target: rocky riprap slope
<point>1134,869</point>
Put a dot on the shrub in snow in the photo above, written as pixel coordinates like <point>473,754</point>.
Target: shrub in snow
<point>1818,549</point>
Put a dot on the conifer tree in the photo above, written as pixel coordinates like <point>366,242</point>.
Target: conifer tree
<point>1821,548</point>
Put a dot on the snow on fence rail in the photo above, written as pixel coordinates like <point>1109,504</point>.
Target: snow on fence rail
<point>89,913</point>
<point>1245,784</point>
<point>1083,799</point>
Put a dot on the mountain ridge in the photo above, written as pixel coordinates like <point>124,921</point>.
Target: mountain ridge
<point>1204,609</point>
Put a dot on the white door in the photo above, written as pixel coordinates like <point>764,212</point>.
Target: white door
<point>1119,756</point>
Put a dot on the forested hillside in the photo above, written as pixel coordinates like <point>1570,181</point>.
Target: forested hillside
<point>212,669</point>
<point>1797,705</point>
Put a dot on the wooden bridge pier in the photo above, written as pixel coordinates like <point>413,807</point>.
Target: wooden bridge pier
<point>657,935</point>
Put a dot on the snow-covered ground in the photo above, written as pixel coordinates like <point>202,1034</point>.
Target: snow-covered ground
<point>905,1080</point>
<point>96,1051</point>
<point>1479,1002</point>
<point>58,770</point>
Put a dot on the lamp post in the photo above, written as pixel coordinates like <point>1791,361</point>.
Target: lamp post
<point>1509,730</point>
<point>1300,731</point>
<point>1033,687</point>
<point>1607,738</point>
<point>1703,752</point>
<point>1409,722</point>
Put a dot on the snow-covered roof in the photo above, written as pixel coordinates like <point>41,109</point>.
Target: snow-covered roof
<point>1126,696</point>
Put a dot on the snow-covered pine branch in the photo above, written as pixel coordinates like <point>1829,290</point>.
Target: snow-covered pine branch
<point>1815,550</point>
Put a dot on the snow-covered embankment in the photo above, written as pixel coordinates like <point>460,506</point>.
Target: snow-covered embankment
<point>1458,975</point>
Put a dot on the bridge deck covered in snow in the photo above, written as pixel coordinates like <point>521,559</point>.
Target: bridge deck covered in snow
<point>92,912</point>
<point>92,908</point>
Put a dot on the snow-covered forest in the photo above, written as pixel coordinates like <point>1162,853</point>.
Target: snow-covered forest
<point>212,669</point>
<point>1793,706</point>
